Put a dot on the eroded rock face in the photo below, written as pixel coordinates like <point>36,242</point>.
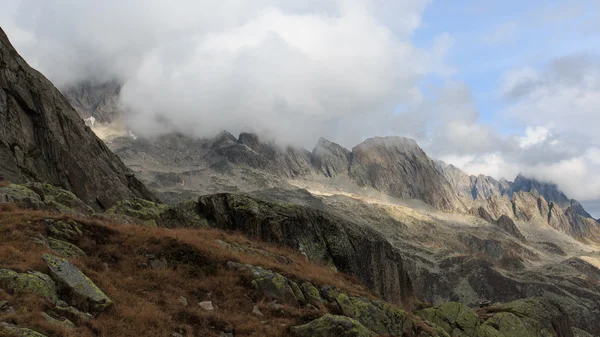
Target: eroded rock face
<point>330,159</point>
<point>349,247</point>
<point>42,138</point>
<point>399,167</point>
<point>96,99</point>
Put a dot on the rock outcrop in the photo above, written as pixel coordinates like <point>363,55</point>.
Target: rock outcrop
<point>399,167</point>
<point>97,99</point>
<point>42,138</point>
<point>330,159</point>
<point>324,238</point>
<point>83,293</point>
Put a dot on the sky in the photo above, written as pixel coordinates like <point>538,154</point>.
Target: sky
<point>495,88</point>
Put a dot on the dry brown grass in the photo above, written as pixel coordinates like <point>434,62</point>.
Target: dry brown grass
<point>146,299</point>
<point>4,183</point>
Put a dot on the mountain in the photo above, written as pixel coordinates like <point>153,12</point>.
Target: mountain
<point>550,192</point>
<point>471,188</point>
<point>525,199</point>
<point>399,167</point>
<point>42,138</point>
<point>99,100</point>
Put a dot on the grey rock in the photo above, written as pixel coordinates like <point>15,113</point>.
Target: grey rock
<point>330,159</point>
<point>332,326</point>
<point>82,292</point>
<point>256,311</point>
<point>399,167</point>
<point>206,305</point>
<point>16,331</point>
<point>96,99</point>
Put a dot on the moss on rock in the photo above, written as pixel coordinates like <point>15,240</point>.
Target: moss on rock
<point>83,293</point>
<point>146,211</point>
<point>13,330</point>
<point>64,248</point>
<point>31,282</point>
<point>332,326</point>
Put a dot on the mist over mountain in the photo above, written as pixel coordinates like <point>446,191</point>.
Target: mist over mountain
<point>343,70</point>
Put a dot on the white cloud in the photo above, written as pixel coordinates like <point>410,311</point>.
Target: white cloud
<point>535,135</point>
<point>295,69</point>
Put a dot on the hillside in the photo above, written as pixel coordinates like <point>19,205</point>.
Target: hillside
<point>83,275</point>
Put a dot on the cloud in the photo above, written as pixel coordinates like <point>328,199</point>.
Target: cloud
<point>293,69</point>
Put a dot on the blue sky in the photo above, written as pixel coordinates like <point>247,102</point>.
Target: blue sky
<point>492,37</point>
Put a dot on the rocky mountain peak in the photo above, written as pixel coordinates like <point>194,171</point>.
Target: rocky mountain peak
<point>42,138</point>
<point>330,159</point>
<point>97,99</point>
<point>398,166</point>
<point>401,144</point>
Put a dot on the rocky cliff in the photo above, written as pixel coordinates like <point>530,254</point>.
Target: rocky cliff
<point>42,138</point>
<point>399,167</point>
<point>96,99</point>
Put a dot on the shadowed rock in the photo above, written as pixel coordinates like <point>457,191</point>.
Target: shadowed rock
<point>42,138</point>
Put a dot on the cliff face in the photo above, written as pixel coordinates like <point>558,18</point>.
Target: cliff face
<point>42,138</point>
<point>98,100</point>
<point>399,167</point>
<point>322,237</point>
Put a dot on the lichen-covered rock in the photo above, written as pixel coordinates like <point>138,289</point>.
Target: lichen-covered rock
<point>21,196</point>
<point>509,324</point>
<point>63,322</point>
<point>83,293</point>
<point>538,317</point>
<point>376,315</point>
<point>269,284</point>
<point>311,293</point>
<point>14,331</point>
<point>455,318</point>
<point>64,248</point>
<point>64,310</point>
<point>275,286</point>
<point>55,198</point>
<point>332,326</point>
<point>146,211</point>
<point>182,215</point>
<point>31,282</point>
<point>67,229</point>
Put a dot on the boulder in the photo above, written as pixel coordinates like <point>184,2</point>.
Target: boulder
<point>332,326</point>
<point>82,292</point>
<point>15,331</point>
<point>31,282</point>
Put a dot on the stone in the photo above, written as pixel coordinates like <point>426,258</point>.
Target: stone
<point>67,230</point>
<point>13,330</point>
<point>332,326</point>
<point>63,323</point>
<point>257,311</point>
<point>31,282</point>
<point>206,305</point>
<point>183,301</point>
<point>82,292</point>
<point>311,294</point>
<point>64,248</point>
